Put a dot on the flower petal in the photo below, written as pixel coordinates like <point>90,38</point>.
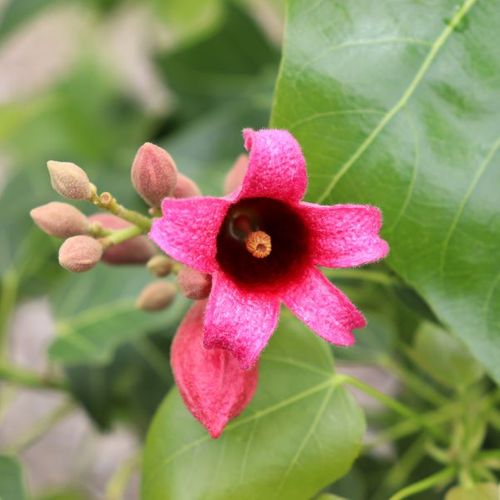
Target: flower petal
<point>344,235</point>
<point>213,386</point>
<point>238,320</point>
<point>276,166</point>
<point>188,230</point>
<point>324,308</point>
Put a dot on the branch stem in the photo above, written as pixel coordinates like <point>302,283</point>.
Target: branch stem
<point>108,202</point>
<point>441,477</point>
<point>392,404</point>
<point>121,235</point>
<point>41,427</point>
<point>25,378</point>
<point>9,287</point>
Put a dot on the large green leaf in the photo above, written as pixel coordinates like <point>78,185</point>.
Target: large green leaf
<point>300,433</point>
<point>11,479</point>
<point>398,104</point>
<point>96,313</point>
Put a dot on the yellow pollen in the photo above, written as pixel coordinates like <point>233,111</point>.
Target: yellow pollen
<point>258,244</point>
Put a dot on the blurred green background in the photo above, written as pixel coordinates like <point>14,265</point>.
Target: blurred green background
<point>89,82</point>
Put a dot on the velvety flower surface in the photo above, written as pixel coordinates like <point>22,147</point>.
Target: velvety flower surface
<point>211,382</point>
<point>262,245</point>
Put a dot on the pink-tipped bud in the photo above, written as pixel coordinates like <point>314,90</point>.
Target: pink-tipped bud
<point>156,296</point>
<point>185,187</point>
<point>234,178</point>
<point>153,174</point>
<point>80,253</point>
<point>213,386</point>
<point>160,265</point>
<point>69,180</point>
<point>137,250</point>
<point>193,284</point>
<point>60,219</point>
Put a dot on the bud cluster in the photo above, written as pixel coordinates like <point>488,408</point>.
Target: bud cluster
<point>117,237</point>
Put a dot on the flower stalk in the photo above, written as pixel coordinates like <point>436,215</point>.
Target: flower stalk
<point>121,235</point>
<point>108,202</point>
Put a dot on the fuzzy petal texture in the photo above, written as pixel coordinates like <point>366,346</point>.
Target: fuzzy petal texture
<point>213,386</point>
<point>344,235</point>
<point>240,321</point>
<point>188,230</point>
<point>276,166</point>
<point>324,308</point>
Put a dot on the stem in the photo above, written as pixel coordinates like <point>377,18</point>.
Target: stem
<point>489,458</point>
<point>420,388</point>
<point>425,484</point>
<point>391,403</point>
<point>10,284</point>
<point>115,489</point>
<point>407,427</point>
<point>107,202</point>
<point>405,464</point>
<point>97,231</point>
<point>121,235</point>
<point>41,427</point>
<point>362,274</point>
<point>25,378</point>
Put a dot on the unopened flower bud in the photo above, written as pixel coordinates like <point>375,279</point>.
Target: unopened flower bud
<point>60,219</point>
<point>235,176</point>
<point>137,250</point>
<point>194,284</point>
<point>153,174</point>
<point>156,296</point>
<point>213,386</point>
<point>185,187</point>
<point>160,265</point>
<point>80,253</point>
<point>69,180</point>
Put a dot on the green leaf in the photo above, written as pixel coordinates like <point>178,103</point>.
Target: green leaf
<point>96,313</point>
<point>444,357</point>
<point>486,491</point>
<point>11,479</point>
<point>399,106</point>
<point>300,432</point>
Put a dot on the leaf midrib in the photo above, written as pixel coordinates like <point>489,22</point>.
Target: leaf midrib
<point>401,103</point>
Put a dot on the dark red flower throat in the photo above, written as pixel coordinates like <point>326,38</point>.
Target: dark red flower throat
<point>285,254</point>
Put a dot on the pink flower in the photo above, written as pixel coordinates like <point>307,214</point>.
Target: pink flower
<point>213,386</point>
<point>262,246</point>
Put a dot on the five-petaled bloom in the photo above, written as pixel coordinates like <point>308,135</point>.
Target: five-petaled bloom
<point>262,246</point>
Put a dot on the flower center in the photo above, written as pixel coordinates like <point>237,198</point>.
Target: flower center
<point>258,243</point>
<point>262,242</point>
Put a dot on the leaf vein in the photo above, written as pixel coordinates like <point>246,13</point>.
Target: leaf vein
<point>258,414</point>
<point>307,436</point>
<point>475,180</point>
<point>401,103</point>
